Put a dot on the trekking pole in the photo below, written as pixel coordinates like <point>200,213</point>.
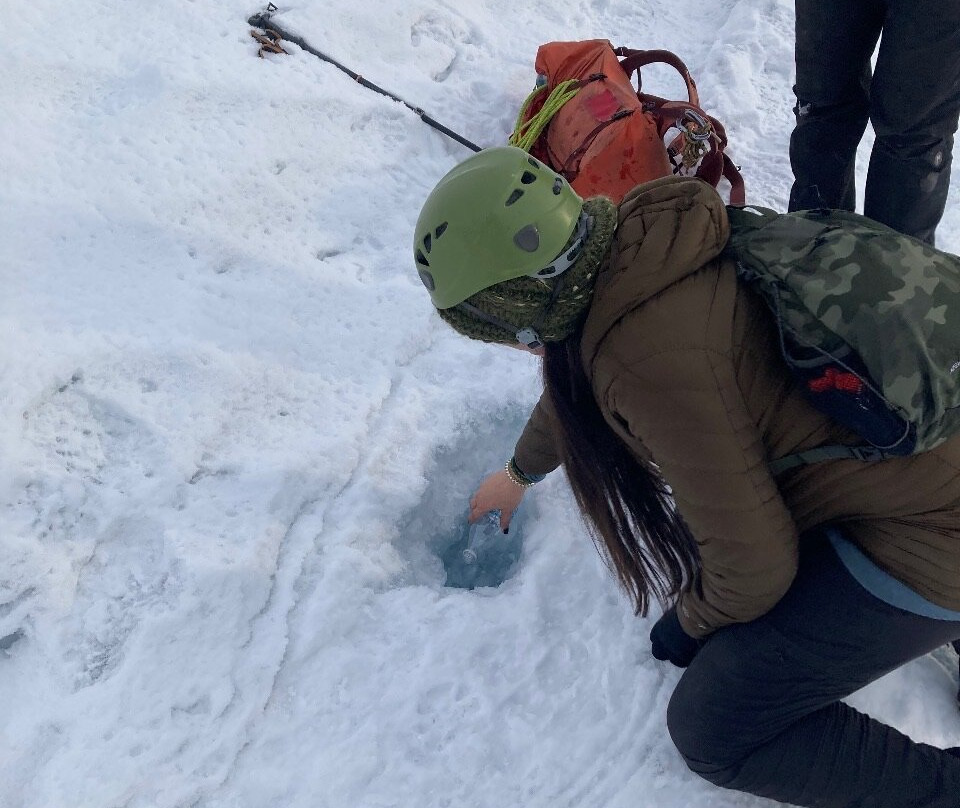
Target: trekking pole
<point>263,20</point>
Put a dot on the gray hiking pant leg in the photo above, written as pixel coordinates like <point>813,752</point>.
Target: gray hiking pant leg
<point>759,708</point>
<point>834,43</point>
<point>914,106</point>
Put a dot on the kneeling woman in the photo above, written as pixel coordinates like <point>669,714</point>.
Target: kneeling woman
<point>665,398</point>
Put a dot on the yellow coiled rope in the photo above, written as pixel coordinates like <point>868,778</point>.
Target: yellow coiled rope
<point>525,133</point>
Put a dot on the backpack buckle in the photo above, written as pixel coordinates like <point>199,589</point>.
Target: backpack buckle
<point>529,338</point>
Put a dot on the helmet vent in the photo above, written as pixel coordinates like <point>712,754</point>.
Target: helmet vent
<point>427,280</point>
<point>528,177</point>
<point>517,193</point>
<point>557,186</point>
<point>528,238</point>
<point>427,243</point>
<point>533,162</point>
<point>441,229</point>
<point>422,259</point>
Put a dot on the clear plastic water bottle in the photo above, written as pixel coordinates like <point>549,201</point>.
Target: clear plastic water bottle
<point>482,538</point>
<point>482,555</point>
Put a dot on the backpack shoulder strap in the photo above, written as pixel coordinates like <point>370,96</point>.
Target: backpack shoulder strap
<point>633,60</point>
<point>868,454</point>
<point>738,193</point>
<point>750,217</point>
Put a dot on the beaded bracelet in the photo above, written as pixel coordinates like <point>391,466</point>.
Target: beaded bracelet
<point>516,476</point>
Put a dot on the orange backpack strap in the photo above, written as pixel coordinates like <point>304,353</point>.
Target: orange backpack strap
<point>670,113</point>
<point>738,194</point>
<point>635,59</point>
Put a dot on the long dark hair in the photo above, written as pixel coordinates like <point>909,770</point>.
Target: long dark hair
<point>626,503</point>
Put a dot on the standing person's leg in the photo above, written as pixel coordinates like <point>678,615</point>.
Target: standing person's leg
<point>759,708</point>
<point>834,42</point>
<point>915,101</point>
<point>956,647</point>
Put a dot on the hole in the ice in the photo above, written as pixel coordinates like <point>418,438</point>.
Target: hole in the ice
<point>480,554</point>
<point>435,533</point>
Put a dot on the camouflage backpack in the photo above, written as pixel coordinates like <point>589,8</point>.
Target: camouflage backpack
<point>869,321</point>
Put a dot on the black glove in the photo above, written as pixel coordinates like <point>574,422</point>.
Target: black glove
<point>670,642</point>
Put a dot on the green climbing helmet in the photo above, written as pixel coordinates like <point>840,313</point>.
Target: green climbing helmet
<point>498,215</point>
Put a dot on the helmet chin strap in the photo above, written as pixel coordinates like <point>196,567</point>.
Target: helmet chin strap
<point>567,258</point>
<point>528,336</point>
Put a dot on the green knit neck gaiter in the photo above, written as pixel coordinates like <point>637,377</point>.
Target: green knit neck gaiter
<point>525,301</point>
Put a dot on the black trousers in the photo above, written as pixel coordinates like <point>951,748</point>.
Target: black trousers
<point>759,708</point>
<point>912,98</point>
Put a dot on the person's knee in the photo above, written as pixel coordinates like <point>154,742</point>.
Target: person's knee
<point>851,111</point>
<point>700,733</point>
<point>920,150</point>
<point>917,117</point>
<point>925,141</point>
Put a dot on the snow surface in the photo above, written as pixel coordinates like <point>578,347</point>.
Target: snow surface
<point>235,441</point>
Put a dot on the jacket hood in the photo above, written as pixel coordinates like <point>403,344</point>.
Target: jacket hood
<point>668,229</point>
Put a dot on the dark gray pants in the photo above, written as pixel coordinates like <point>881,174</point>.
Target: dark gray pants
<point>912,99</point>
<point>759,708</point>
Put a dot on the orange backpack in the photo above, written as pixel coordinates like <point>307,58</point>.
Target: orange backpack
<point>587,122</point>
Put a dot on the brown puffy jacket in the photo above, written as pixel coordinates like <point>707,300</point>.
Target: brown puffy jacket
<point>685,367</point>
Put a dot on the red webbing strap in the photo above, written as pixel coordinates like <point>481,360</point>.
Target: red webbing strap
<point>738,194</point>
<point>571,168</point>
<point>716,163</point>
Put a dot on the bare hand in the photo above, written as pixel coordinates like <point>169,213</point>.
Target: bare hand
<point>496,492</point>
